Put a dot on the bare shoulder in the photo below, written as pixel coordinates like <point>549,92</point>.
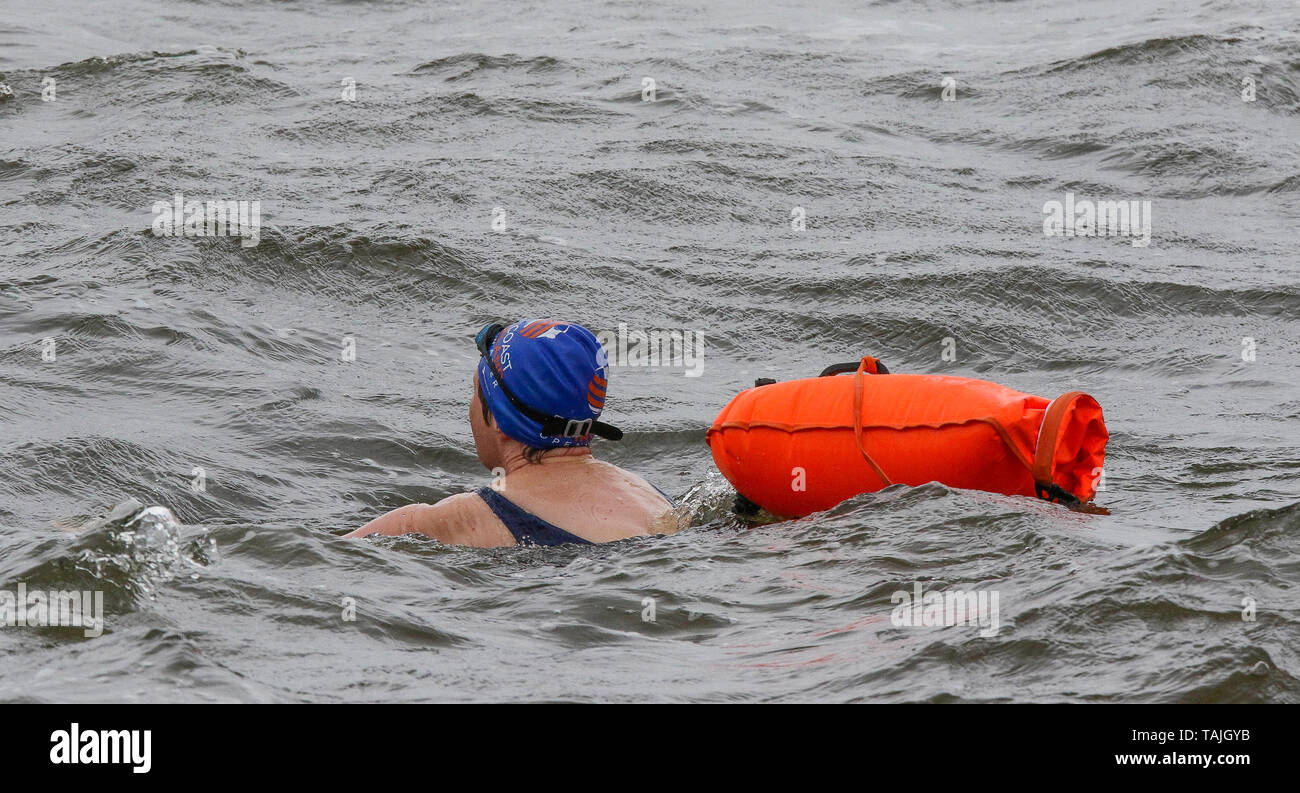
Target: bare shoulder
<point>660,512</point>
<point>465,519</point>
<point>641,484</point>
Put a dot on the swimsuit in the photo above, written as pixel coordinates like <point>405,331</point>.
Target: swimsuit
<point>527,528</point>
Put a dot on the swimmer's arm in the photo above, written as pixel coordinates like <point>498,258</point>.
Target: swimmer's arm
<point>403,520</point>
<point>462,519</point>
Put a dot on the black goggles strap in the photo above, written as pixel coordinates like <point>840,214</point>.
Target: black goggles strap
<point>554,426</point>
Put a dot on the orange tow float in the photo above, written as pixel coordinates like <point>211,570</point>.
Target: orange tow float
<point>801,446</point>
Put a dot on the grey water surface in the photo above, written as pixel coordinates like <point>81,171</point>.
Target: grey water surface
<point>507,160</point>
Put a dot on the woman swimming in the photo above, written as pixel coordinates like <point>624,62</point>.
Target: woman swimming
<point>538,393</point>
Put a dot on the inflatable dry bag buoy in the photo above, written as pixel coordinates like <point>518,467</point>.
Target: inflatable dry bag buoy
<point>801,446</point>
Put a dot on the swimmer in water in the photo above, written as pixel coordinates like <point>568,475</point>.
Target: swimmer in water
<point>538,391</point>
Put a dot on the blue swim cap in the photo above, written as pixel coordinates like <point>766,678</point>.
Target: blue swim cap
<point>551,366</point>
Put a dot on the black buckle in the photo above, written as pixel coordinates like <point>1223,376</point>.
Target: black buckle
<point>744,507</point>
<point>1054,492</point>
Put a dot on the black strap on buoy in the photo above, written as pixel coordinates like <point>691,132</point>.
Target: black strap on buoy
<point>848,367</point>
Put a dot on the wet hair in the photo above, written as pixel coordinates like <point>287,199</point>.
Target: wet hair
<point>531,453</point>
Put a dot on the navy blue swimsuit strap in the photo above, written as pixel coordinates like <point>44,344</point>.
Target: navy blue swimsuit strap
<point>527,528</point>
